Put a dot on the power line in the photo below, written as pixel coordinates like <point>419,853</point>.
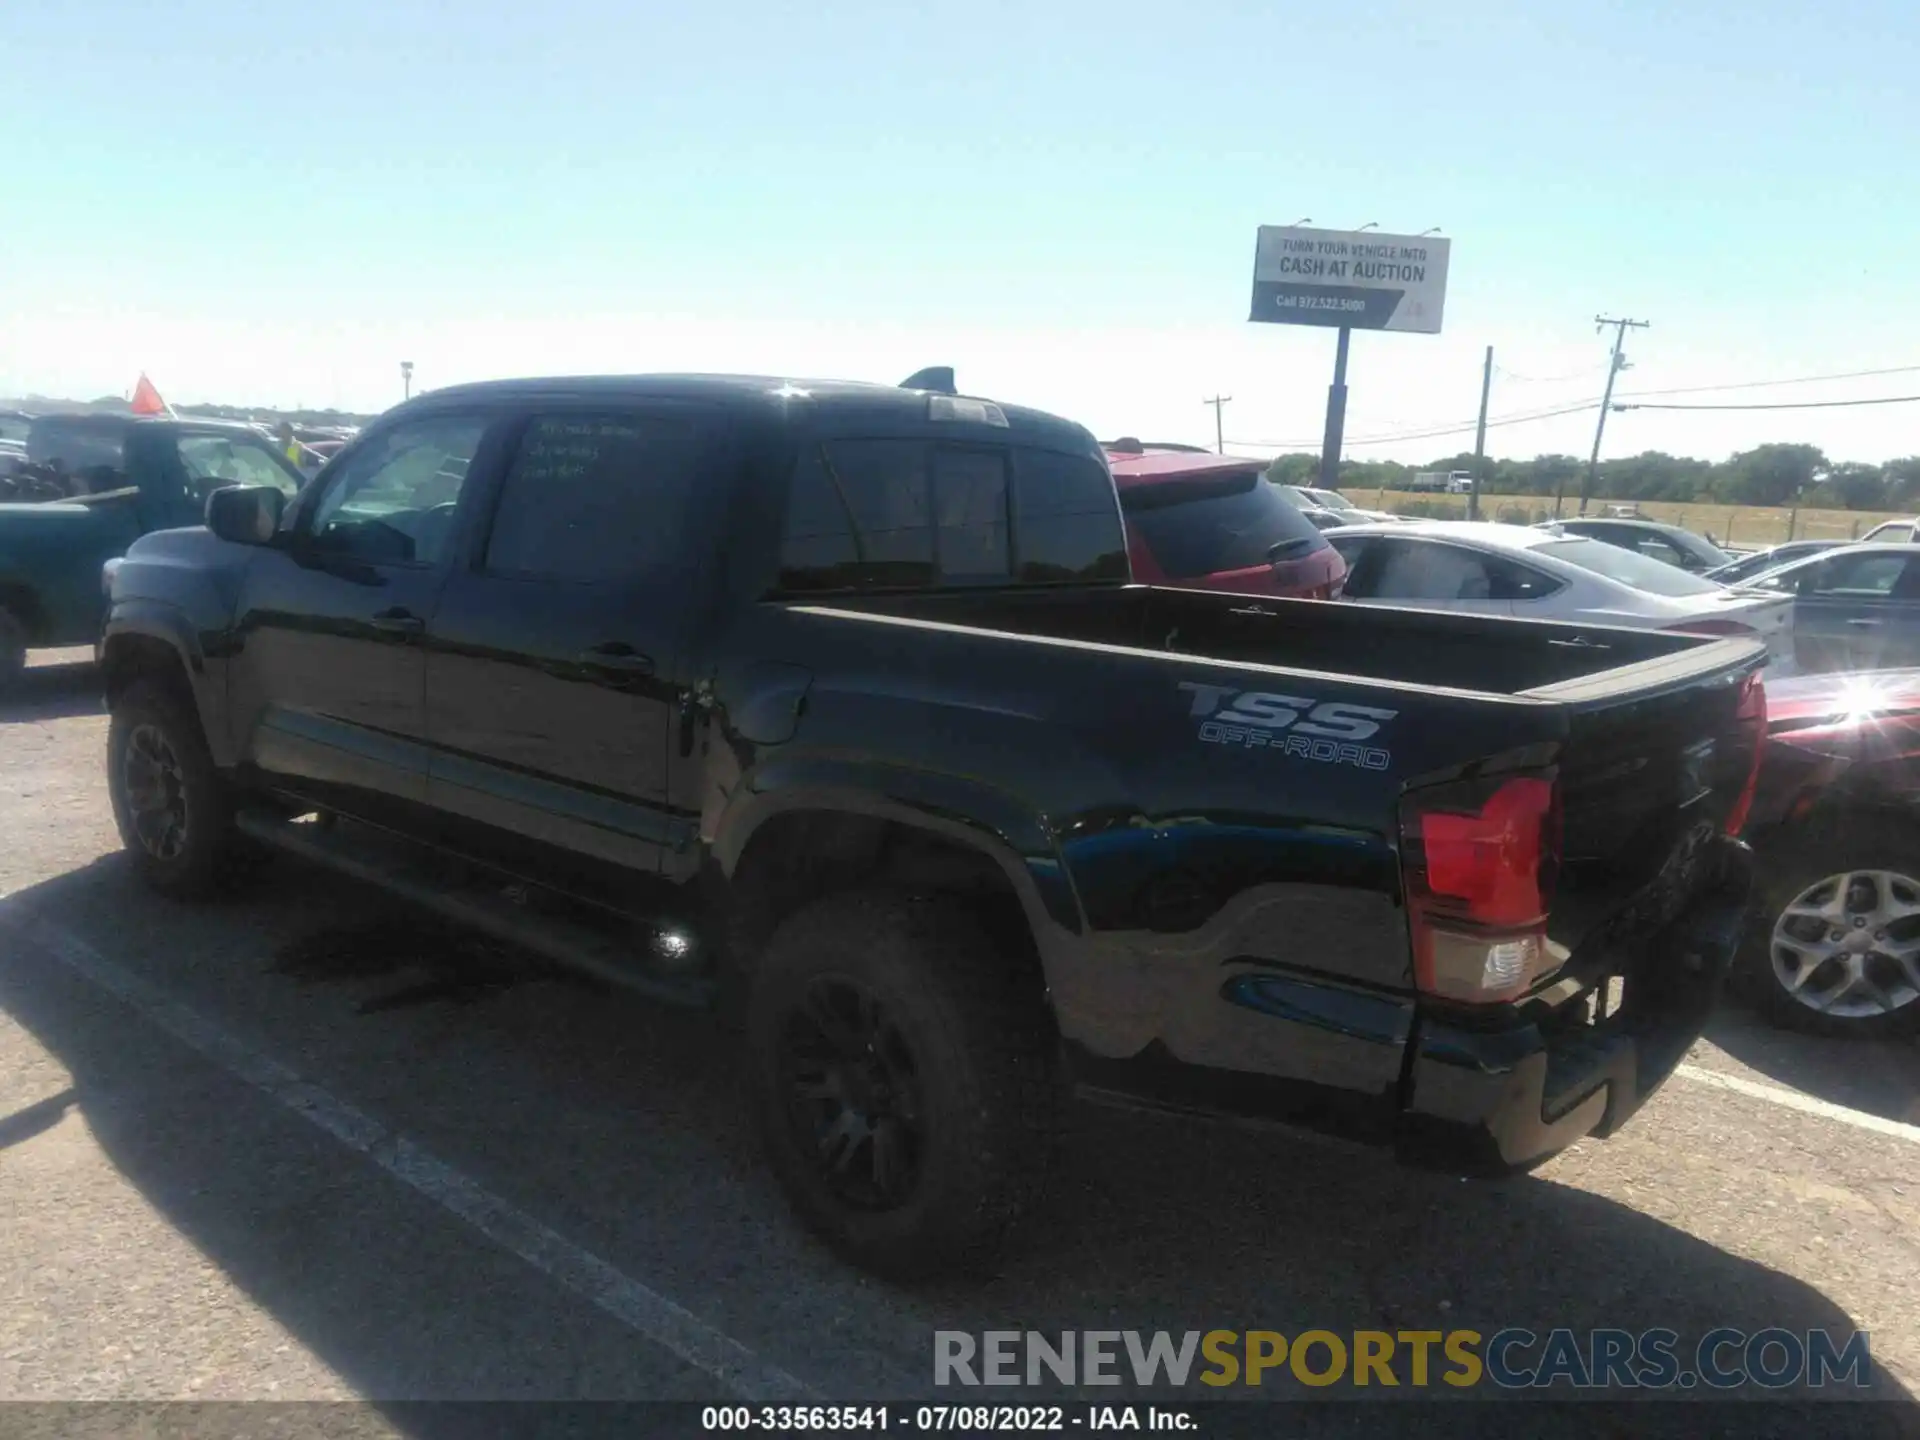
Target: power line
<point>1785,404</point>
<point>1472,425</point>
<point>1463,428</point>
<point>1770,384</point>
<point>1466,427</point>
<point>1506,374</point>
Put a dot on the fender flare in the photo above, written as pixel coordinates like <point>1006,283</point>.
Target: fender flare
<point>980,817</point>
<point>167,624</point>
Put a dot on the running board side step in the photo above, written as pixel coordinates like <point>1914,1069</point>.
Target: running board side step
<point>564,942</point>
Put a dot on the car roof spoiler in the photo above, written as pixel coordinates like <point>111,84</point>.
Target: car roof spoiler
<point>937,378</point>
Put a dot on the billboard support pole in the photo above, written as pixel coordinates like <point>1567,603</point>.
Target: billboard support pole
<point>1336,416</point>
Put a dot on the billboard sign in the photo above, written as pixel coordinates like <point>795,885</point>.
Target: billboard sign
<point>1360,279</point>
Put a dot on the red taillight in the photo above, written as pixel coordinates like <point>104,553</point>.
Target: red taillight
<point>1752,720</point>
<point>1481,859</point>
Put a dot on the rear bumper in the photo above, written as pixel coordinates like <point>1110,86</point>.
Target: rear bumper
<point>1485,1095</point>
<point>1495,1101</point>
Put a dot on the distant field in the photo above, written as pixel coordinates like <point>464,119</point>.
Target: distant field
<point>1747,526</point>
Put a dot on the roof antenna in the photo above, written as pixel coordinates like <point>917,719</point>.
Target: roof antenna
<point>937,378</point>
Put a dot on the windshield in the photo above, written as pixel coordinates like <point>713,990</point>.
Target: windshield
<point>1207,526</point>
<point>1628,567</point>
<point>1331,499</point>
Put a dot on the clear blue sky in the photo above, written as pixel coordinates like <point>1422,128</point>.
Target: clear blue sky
<point>266,203</point>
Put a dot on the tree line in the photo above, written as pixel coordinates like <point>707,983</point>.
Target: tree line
<point>1765,475</point>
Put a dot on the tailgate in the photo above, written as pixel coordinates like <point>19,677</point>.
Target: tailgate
<point>1658,757</point>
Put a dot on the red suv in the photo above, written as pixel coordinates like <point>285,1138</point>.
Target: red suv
<point>1212,522</point>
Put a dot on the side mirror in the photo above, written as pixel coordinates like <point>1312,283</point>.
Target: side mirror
<point>245,514</point>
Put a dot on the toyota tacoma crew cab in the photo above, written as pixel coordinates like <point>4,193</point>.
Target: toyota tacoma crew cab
<point>836,707</point>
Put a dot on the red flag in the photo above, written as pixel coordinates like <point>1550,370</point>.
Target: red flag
<point>146,399</point>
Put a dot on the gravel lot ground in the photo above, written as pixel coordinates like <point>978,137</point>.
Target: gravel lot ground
<point>297,1146</point>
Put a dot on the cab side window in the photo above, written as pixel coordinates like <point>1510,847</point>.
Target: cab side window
<point>885,512</point>
<point>595,498</point>
<point>1067,524</point>
<point>392,500</point>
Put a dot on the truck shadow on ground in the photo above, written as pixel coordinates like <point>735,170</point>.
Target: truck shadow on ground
<point>1881,1077</point>
<point>56,691</point>
<point>618,1124</point>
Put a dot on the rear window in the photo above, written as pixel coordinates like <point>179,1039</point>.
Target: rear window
<point>1628,567</point>
<point>877,513</point>
<point>74,460</point>
<point>1216,523</point>
<point>76,447</point>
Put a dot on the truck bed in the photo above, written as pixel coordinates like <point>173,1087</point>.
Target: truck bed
<point>1642,725</point>
<point>1401,647</point>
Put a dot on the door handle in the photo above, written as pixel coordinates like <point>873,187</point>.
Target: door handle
<point>617,656</point>
<point>1865,624</point>
<point>399,621</point>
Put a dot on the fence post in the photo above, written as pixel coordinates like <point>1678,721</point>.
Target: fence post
<point>1853,532</point>
<point>1729,540</point>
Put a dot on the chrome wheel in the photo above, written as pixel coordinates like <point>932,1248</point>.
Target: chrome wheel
<point>1848,946</point>
<point>155,792</point>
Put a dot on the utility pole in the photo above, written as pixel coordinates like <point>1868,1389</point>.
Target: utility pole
<point>1336,416</point>
<point>1614,367</point>
<point>406,379</point>
<point>1480,439</point>
<point>1219,442</point>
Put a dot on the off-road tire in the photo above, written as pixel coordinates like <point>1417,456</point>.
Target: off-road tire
<point>986,1064</point>
<point>210,855</point>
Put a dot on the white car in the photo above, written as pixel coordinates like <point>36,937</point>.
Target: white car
<point>1891,531</point>
<point>1490,569</point>
<point>1350,513</point>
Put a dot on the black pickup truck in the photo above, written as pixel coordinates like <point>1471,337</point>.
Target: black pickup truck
<point>833,706</point>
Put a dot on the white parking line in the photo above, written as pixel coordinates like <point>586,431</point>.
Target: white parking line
<point>647,1311</point>
<point>1805,1104</point>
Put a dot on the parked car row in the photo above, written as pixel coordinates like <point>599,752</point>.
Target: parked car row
<point>1835,828</point>
<point>1833,943</point>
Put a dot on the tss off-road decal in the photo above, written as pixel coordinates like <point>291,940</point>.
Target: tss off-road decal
<point>1332,732</point>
